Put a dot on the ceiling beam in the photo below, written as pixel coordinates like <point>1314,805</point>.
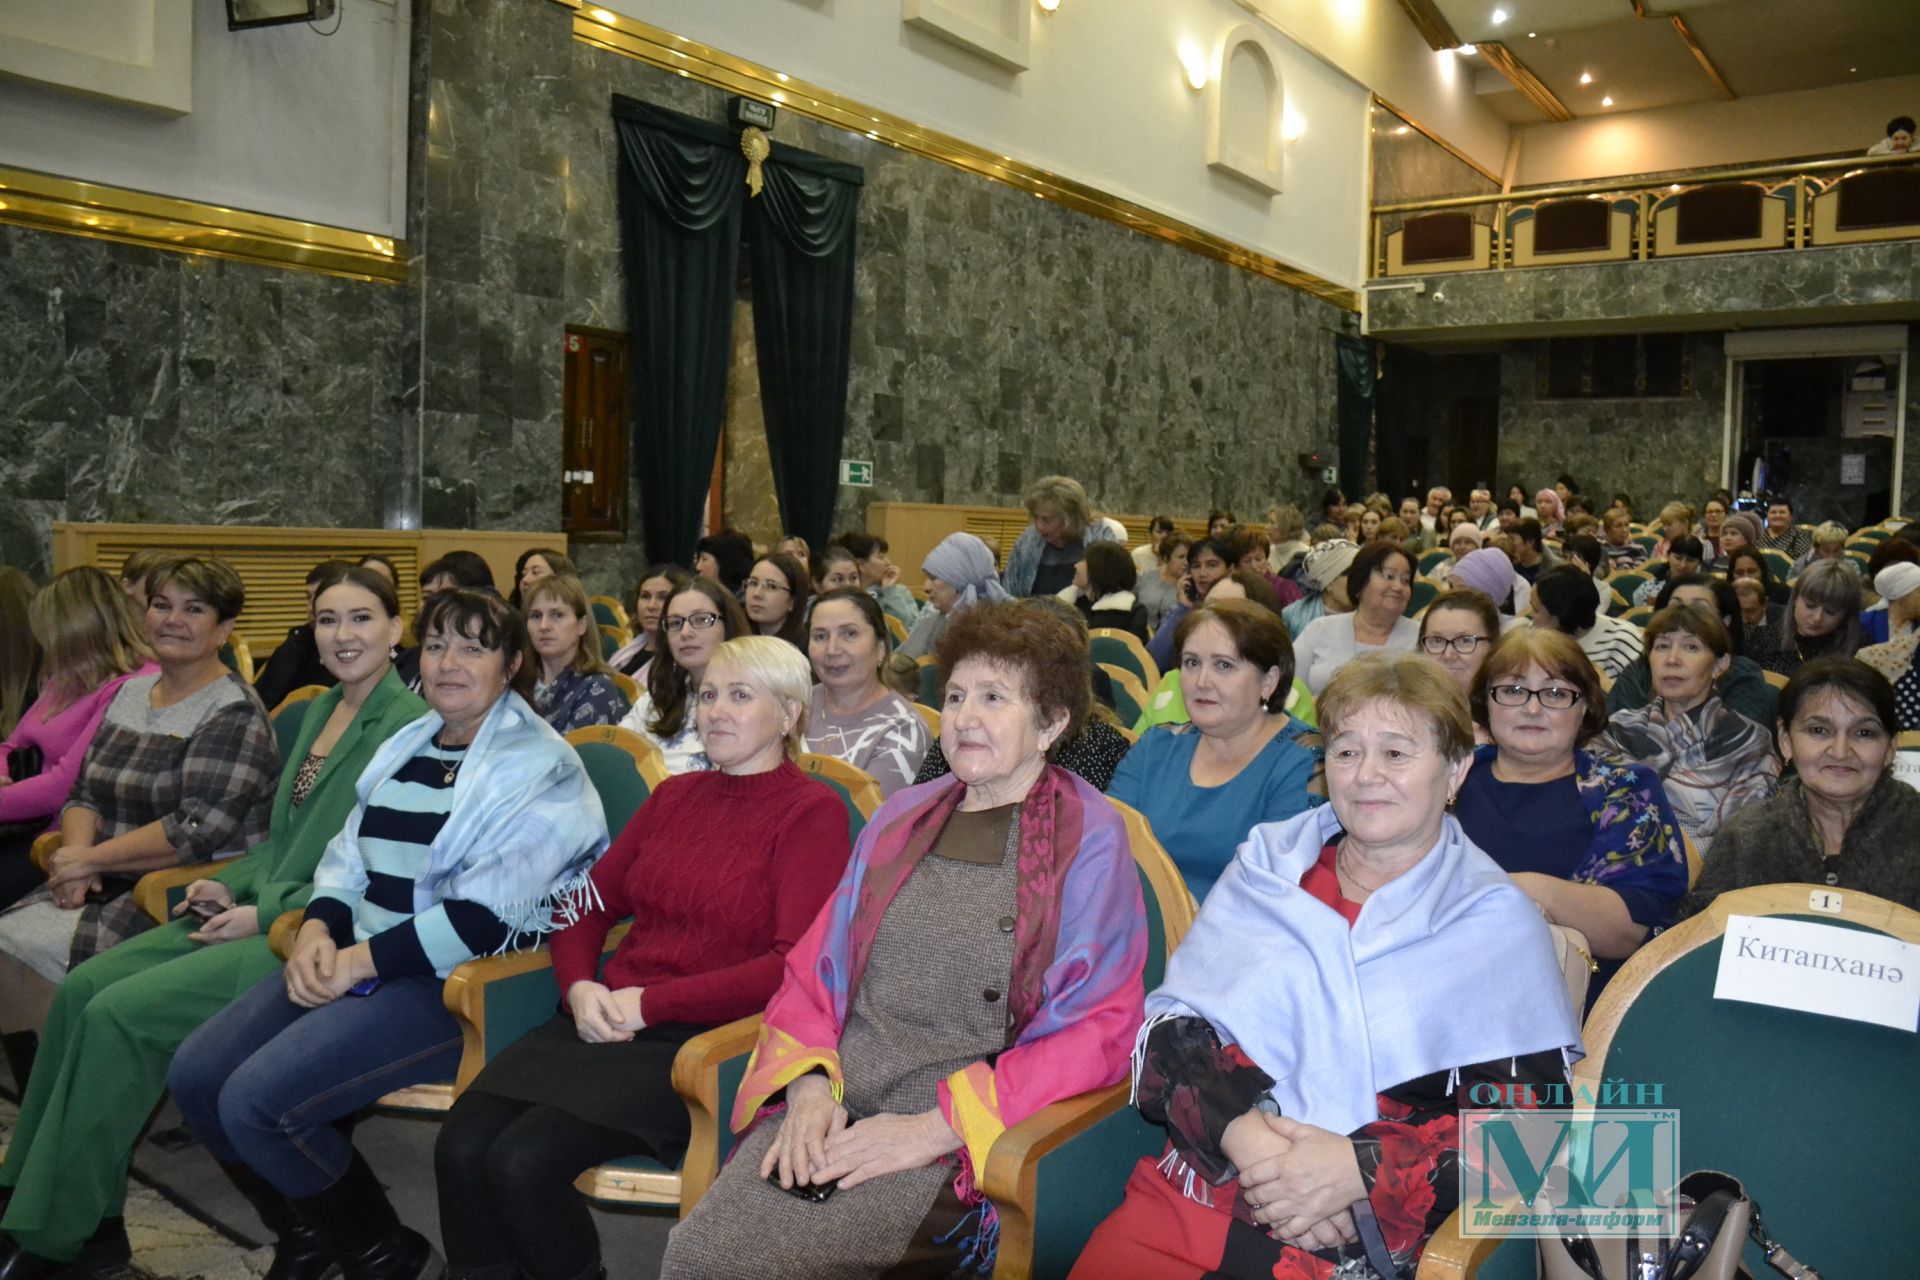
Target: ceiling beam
<point>1700,55</point>
<point>1430,23</point>
<point>1530,85</point>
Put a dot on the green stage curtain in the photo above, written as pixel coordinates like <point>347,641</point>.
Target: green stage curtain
<point>800,237</point>
<point>682,189</point>
<point>1354,361</point>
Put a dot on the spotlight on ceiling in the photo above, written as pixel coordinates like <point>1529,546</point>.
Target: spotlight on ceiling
<point>1499,16</point>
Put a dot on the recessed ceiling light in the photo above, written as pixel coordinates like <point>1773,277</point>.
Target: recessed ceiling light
<point>1499,16</point>
<point>1531,34</point>
<point>1403,129</point>
<point>1607,101</point>
<point>1586,77</point>
<point>1468,49</point>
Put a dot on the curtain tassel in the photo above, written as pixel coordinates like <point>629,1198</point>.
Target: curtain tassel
<point>755,147</point>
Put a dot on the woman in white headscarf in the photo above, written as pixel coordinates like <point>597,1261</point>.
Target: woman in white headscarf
<point>960,573</point>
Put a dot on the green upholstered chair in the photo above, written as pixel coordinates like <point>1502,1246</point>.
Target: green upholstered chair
<point>930,683</point>
<point>1628,582</point>
<point>1113,647</point>
<point>1814,1114</point>
<point>1130,699</point>
<point>1431,560</point>
<point>1422,594</point>
<point>604,615</point>
<point>856,786</point>
<point>1779,563</point>
<point>623,767</point>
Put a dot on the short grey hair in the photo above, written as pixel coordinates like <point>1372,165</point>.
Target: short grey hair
<point>1065,495</point>
<point>779,668</point>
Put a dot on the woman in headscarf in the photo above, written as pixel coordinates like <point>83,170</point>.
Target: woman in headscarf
<point>1899,585</point>
<point>1309,1054</point>
<point>1491,573</point>
<point>1553,514</point>
<point>960,573</point>
<point>1712,759</point>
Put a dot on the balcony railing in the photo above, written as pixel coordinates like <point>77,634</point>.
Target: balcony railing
<point>1758,208</point>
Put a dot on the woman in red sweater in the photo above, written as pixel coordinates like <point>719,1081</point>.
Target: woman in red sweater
<point>722,872</point>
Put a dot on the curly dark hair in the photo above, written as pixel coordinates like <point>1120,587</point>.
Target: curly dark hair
<point>1049,655</point>
<point>485,617</point>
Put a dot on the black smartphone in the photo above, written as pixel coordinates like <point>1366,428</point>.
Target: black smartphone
<point>813,1192</point>
<point>203,909</point>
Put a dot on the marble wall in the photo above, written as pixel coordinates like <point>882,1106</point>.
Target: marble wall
<point>1654,450</point>
<point>1408,165</point>
<point>138,385</point>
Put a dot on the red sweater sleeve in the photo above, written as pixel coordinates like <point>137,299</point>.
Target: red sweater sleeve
<point>809,856</point>
<point>576,948</point>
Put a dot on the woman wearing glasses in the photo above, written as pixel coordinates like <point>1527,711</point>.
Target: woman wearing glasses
<point>776,598</point>
<point>1458,630</point>
<point>697,617</point>
<point>1589,836</point>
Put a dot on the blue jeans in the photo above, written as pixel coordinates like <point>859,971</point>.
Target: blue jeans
<point>263,1081</point>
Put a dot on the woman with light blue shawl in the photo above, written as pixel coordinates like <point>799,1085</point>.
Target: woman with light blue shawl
<point>475,832</point>
<point>1353,976</point>
<point>960,574</point>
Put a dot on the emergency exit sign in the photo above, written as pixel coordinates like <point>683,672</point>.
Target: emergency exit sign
<point>859,474</point>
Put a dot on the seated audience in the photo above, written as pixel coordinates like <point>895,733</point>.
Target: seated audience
<point>725,557</point>
<point>1458,630</point>
<point>1755,611</point>
<point>533,565</point>
<point>573,686</point>
<point>1219,520</point>
<point>94,640</point>
<point>881,576</point>
<point>649,598</point>
<point>1480,512</point>
<point>475,831</point>
<point>722,879</point>
<point>1829,544</point>
<point>1552,513</point>
<point>1713,518</point>
<point>1490,572</point>
<point>851,714</point>
<point>1711,759</point>
<point>1517,499</point>
<point>776,599</point>
<point>1323,577</point>
<point>1158,586</point>
<point>1563,601</point>
<point>796,546</point>
<point>1744,687</point>
<point>1287,525</point>
<point>1298,1115</point>
<point>1781,533</point>
<point>1164,703</point>
<point>1528,549</point>
<point>1102,590</point>
<point>1898,585</point>
<point>20,656</point>
<point>1621,550</point>
<point>1674,521</point>
<point>1841,818</point>
<point>1209,562</point>
<point>1148,554</point>
<point>1241,761</point>
<point>1899,137</point>
<point>381,565</point>
<point>119,1017</point>
<point>696,618</point>
<point>960,574</point>
<point>1380,583</point>
<point>296,663</point>
<point>1740,531</point>
<point>1748,565</point>
<point>1591,839</point>
<point>463,570</point>
<point>833,568</point>
<point>1249,549</point>
<point>1822,619</point>
<point>1043,556</point>
<point>136,573</point>
<point>901,1044</point>
<point>1409,513</point>
<point>1460,541</point>
<point>1894,550</point>
<point>181,769</point>
<point>1685,557</point>
<point>1369,525</point>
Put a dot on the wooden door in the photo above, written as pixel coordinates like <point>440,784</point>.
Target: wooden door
<point>593,454</point>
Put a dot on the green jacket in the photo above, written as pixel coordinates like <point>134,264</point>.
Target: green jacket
<point>276,875</point>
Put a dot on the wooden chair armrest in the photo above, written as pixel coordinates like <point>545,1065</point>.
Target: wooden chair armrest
<point>285,926</point>
<point>696,1078</point>
<point>1013,1168</point>
<point>1452,1256</point>
<point>465,997</point>
<point>43,849</point>
<point>153,889</point>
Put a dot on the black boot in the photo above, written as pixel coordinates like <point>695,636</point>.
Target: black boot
<point>360,1229</point>
<point>299,1252</point>
<point>20,1048</point>
<point>106,1249</point>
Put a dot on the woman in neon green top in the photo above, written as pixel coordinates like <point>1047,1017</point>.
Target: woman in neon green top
<point>119,1017</point>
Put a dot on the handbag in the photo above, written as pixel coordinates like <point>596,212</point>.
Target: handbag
<point>1719,1218</point>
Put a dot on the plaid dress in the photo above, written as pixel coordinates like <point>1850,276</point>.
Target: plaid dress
<point>204,768</point>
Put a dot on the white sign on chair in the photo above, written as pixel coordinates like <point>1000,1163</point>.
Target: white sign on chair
<point>1820,968</point>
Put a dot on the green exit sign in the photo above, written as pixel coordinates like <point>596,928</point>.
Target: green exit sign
<point>859,474</point>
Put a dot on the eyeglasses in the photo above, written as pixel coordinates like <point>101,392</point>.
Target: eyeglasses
<point>1462,645</point>
<point>1553,697</point>
<point>766,584</point>
<point>698,621</point>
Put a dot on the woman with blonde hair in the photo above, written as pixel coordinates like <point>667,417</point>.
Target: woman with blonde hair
<point>1674,521</point>
<point>1042,560</point>
<point>93,641</point>
<point>573,686</point>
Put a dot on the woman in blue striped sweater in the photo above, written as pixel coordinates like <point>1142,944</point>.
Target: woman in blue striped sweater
<point>476,826</point>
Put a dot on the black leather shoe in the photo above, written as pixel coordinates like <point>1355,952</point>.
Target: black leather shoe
<point>301,1254</point>
<point>20,1264</point>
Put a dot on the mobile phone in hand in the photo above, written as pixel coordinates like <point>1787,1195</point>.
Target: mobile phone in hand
<point>204,909</point>
<point>813,1192</point>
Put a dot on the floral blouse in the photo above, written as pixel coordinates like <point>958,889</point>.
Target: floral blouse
<point>578,701</point>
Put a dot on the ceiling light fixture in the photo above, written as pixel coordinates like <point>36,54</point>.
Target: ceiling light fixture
<point>1607,101</point>
<point>1403,129</point>
<point>1499,16</point>
<point>1532,34</point>
<point>1586,77</point>
<point>1468,49</point>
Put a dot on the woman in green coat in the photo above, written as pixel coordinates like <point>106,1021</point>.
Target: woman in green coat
<point>118,1018</point>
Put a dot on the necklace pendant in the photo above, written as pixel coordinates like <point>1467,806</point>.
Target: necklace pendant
<point>448,780</point>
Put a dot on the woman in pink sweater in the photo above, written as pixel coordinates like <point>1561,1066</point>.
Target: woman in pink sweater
<point>94,640</point>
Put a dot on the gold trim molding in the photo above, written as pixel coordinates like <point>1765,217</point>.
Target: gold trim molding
<point>604,29</point>
<point>1432,137</point>
<point>1531,86</point>
<point>1700,55</point>
<point>51,203</point>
